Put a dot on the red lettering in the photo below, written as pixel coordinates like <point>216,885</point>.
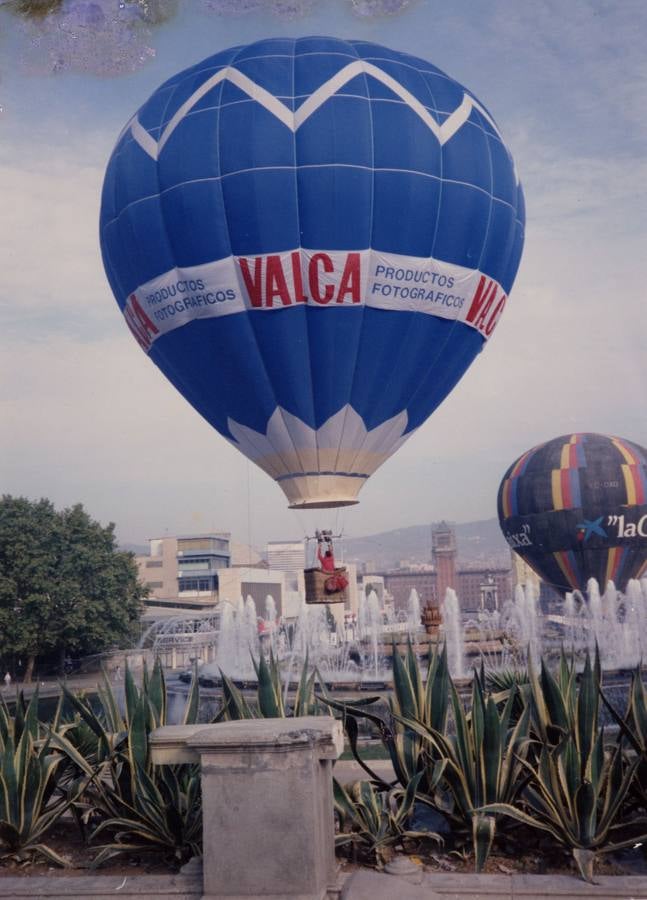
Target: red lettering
<point>136,329</point>
<point>313,278</point>
<point>297,277</point>
<point>496,315</point>
<point>141,326</point>
<point>142,317</point>
<point>350,279</point>
<point>275,283</point>
<point>482,301</point>
<point>253,283</point>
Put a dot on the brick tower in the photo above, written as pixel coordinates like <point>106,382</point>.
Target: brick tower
<point>443,555</point>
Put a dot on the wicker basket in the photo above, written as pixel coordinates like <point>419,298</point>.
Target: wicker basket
<point>315,581</point>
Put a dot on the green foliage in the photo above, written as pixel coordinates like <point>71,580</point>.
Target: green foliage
<point>576,788</point>
<point>31,801</point>
<point>498,681</point>
<point>481,762</point>
<point>633,728</point>
<point>64,585</point>
<point>375,821</point>
<point>531,752</point>
<point>143,806</point>
<point>426,704</point>
<point>269,694</point>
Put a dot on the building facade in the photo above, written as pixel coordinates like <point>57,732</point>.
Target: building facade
<point>288,557</point>
<point>486,587</point>
<point>199,558</point>
<point>259,584</point>
<point>483,588</point>
<point>158,570</point>
<point>400,585</point>
<point>183,571</point>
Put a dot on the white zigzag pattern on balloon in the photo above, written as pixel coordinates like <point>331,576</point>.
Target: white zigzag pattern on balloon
<point>343,443</point>
<point>293,120</point>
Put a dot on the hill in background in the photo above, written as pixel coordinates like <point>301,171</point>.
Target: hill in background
<point>477,543</point>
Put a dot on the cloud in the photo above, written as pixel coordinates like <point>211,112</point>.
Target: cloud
<point>87,417</point>
<point>52,279</point>
<point>98,423</point>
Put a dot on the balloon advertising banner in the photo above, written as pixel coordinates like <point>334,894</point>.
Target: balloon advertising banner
<point>312,239</point>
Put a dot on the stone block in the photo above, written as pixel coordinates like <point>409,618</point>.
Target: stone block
<point>268,823</point>
<point>369,885</point>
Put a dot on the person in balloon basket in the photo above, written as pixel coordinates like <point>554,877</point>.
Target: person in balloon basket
<point>336,581</point>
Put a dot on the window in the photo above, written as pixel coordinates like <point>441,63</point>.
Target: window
<point>195,564</point>
<point>154,564</point>
<point>155,584</point>
<point>203,544</point>
<point>196,584</point>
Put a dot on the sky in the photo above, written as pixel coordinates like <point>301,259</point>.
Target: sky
<point>86,417</point>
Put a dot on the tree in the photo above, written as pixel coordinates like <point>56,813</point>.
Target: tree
<point>65,587</point>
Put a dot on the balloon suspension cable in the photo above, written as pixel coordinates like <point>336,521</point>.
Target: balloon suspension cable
<point>249,515</point>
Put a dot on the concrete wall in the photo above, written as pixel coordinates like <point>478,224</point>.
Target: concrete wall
<point>238,582</point>
<point>159,568</point>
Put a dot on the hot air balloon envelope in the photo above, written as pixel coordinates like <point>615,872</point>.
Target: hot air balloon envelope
<point>312,239</point>
<point>576,508</point>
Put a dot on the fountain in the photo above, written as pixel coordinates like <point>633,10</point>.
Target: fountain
<point>614,621</point>
<point>413,618</point>
<point>370,627</point>
<point>454,639</point>
<point>238,640</point>
<point>505,638</point>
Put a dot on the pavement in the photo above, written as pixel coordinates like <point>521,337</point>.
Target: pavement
<point>49,687</point>
<point>362,884</point>
<point>365,884</point>
<point>347,770</point>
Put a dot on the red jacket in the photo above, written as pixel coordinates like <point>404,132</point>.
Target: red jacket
<point>327,562</point>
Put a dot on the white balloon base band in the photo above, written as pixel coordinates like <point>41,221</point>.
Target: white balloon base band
<point>321,491</point>
<point>327,466</point>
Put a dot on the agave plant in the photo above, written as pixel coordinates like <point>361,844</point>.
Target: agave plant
<point>270,701</point>
<point>575,788</point>
<point>633,727</point>
<point>501,680</point>
<point>376,821</point>
<point>481,763</point>
<point>143,806</point>
<point>31,797</point>
<point>411,700</point>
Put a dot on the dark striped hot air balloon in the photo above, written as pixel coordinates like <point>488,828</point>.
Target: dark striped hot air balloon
<point>575,508</point>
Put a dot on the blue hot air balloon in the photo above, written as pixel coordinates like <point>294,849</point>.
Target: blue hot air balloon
<point>312,239</point>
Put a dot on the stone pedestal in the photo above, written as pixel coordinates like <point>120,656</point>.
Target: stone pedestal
<point>267,804</point>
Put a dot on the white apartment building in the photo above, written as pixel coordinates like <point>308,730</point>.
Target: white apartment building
<point>288,557</point>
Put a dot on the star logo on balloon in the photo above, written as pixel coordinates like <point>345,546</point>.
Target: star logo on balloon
<point>587,528</point>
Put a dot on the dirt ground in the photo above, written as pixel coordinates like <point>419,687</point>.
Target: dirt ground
<point>66,841</point>
<point>518,858</point>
